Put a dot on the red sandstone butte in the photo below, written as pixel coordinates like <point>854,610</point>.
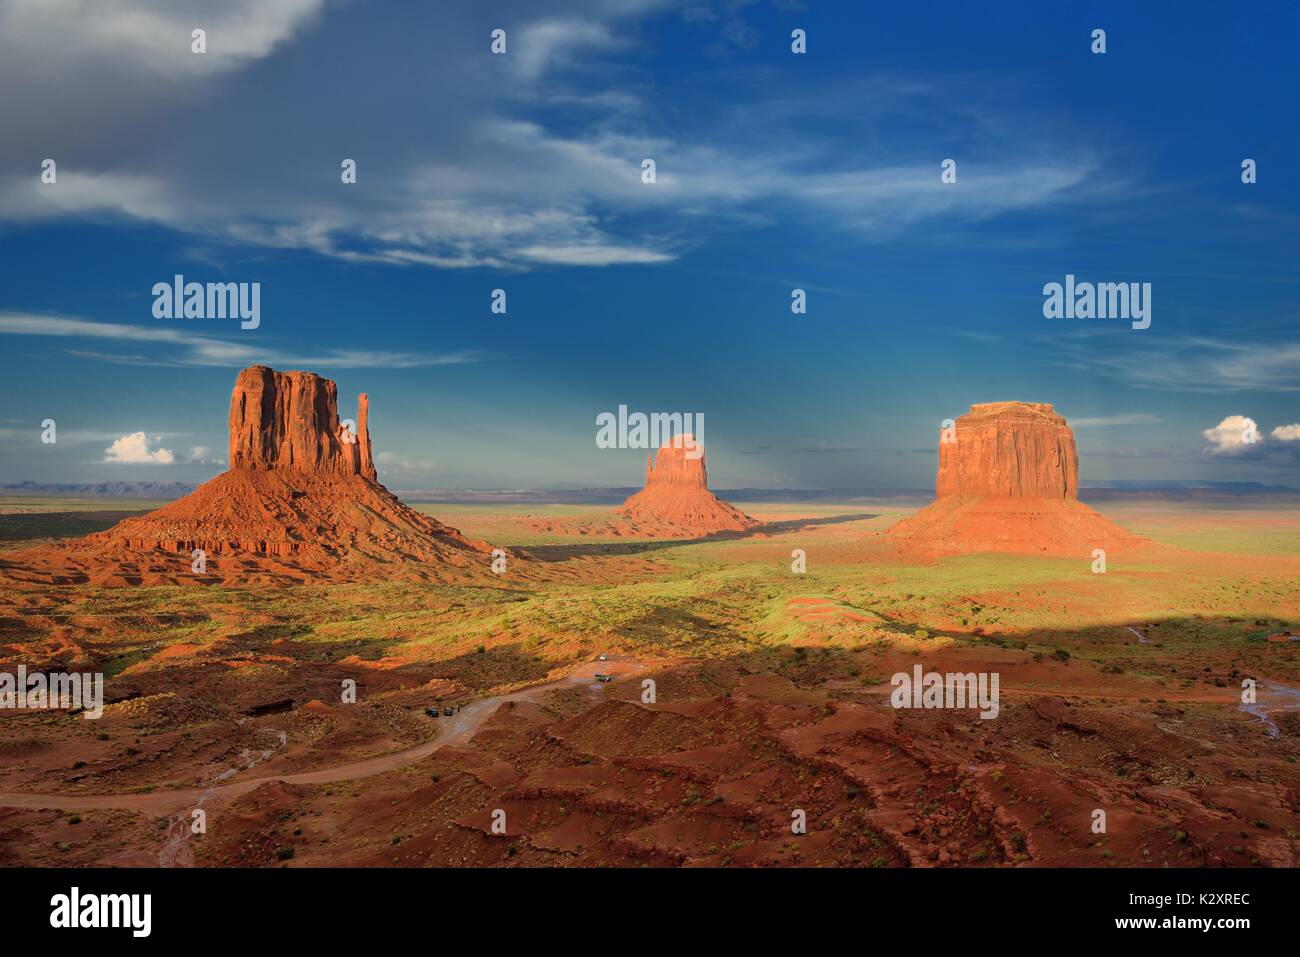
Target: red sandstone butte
<point>1013,449</point>
<point>676,501</point>
<point>300,501</point>
<point>290,420</point>
<point>1008,481</point>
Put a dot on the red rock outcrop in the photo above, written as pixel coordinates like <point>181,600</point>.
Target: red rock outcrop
<point>680,462</point>
<point>300,501</point>
<point>289,420</point>
<point>1008,481</point>
<point>1014,449</point>
<point>676,501</point>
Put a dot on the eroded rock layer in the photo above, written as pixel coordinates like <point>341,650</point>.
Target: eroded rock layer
<point>1012,449</point>
<point>300,501</point>
<point>289,420</point>
<point>676,499</point>
<point>1008,481</point>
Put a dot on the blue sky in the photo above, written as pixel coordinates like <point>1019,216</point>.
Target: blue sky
<point>774,171</point>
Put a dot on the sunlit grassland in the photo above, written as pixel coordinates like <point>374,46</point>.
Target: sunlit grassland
<point>1248,528</point>
<point>733,596</point>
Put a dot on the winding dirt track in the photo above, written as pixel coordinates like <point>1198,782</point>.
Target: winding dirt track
<point>458,730</point>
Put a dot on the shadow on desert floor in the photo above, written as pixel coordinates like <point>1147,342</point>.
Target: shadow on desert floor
<point>29,526</point>
<point>564,552</point>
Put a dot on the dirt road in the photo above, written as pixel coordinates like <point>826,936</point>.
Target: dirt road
<point>459,729</point>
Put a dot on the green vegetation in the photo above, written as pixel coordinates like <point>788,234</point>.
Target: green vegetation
<point>727,597</point>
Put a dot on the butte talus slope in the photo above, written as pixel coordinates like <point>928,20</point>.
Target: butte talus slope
<point>301,501</point>
<point>676,501</point>
<point>1009,482</point>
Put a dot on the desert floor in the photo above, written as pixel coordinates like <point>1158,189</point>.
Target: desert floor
<point>1120,692</point>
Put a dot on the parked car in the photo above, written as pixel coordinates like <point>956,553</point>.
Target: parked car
<point>602,657</point>
<point>431,712</point>
<point>602,677</point>
<point>448,712</point>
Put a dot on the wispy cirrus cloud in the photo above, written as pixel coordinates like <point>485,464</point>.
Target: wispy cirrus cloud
<point>399,464</point>
<point>1181,363</point>
<point>555,41</point>
<point>176,347</point>
<point>32,434</point>
<point>530,159</point>
<point>1124,418</point>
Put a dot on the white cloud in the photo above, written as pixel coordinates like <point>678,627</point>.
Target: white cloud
<point>1125,418</point>
<point>527,196</point>
<point>184,348</point>
<point>151,35</point>
<point>104,85</point>
<point>555,41</point>
<point>134,449</point>
<point>29,324</point>
<point>82,192</point>
<point>1180,364</point>
<point>398,464</point>
<point>201,455</point>
<point>1235,435</point>
<point>1229,440</point>
<point>592,255</point>
<point>558,41</point>
<point>495,181</point>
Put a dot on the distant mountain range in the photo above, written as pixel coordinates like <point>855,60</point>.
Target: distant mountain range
<point>151,490</point>
<point>1171,489</point>
<point>1184,490</point>
<point>615,496</point>
<point>1167,484</point>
